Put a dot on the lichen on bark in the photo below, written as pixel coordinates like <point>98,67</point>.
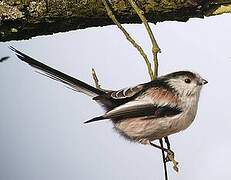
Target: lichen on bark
<point>8,12</point>
<point>23,19</point>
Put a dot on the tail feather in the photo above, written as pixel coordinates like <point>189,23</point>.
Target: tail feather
<point>99,118</point>
<point>75,84</point>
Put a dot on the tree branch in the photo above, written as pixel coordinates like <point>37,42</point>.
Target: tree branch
<point>28,18</point>
<point>155,47</point>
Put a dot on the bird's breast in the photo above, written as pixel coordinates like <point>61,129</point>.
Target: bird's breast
<point>156,128</point>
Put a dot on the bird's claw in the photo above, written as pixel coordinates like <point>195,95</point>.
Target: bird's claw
<point>144,141</point>
<point>171,157</point>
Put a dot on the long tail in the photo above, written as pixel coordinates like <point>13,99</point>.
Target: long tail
<point>75,84</point>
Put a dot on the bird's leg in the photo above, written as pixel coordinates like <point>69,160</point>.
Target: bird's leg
<point>170,155</point>
<point>170,152</point>
<point>147,142</point>
<point>167,142</point>
<point>159,147</point>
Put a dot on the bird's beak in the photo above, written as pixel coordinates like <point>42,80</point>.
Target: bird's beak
<point>203,82</point>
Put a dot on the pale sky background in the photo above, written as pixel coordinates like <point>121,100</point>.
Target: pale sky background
<point>42,135</point>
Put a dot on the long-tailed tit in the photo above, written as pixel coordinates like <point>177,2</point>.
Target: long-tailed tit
<point>145,112</point>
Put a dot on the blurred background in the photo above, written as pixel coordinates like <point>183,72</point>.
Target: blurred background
<point>42,135</point>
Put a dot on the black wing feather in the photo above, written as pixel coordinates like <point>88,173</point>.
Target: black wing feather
<point>148,111</point>
<point>145,111</point>
<point>95,119</point>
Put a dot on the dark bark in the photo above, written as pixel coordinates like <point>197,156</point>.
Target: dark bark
<point>23,19</point>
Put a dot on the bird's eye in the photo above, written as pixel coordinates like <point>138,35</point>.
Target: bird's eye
<point>187,80</point>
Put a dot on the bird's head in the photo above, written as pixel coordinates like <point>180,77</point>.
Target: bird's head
<point>185,83</point>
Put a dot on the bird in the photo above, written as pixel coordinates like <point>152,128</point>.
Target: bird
<point>142,113</point>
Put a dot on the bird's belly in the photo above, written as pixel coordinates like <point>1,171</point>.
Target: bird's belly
<point>152,129</point>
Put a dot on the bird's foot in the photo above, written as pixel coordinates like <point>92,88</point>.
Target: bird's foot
<point>144,141</point>
<point>170,154</point>
<point>171,157</point>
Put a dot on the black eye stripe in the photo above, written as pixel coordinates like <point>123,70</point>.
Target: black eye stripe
<point>187,80</point>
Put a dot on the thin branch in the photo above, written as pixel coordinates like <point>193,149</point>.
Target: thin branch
<point>129,38</point>
<point>155,50</point>
<point>155,47</point>
<point>164,162</point>
<point>152,73</point>
<point>95,78</point>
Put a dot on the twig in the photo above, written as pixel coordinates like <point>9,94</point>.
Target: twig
<point>164,162</point>
<point>95,78</point>
<point>155,50</point>
<point>170,155</point>
<point>155,47</point>
<point>129,38</point>
<point>159,147</point>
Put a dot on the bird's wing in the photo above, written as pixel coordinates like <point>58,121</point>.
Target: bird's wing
<point>144,109</point>
<point>140,109</point>
<point>147,102</point>
<point>153,101</point>
<point>156,91</point>
<point>126,92</point>
<point>113,99</point>
<point>160,96</point>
